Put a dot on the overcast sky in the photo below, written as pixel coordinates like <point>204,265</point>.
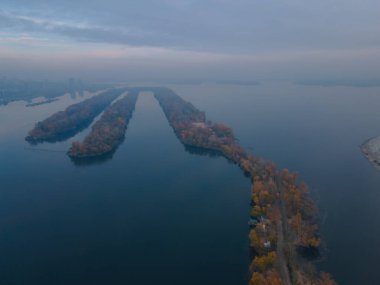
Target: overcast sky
<point>190,39</point>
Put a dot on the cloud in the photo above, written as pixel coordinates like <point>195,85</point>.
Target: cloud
<point>240,39</point>
<point>239,26</point>
<point>77,31</point>
<point>119,62</point>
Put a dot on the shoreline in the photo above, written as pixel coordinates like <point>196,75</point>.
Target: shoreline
<point>371,150</point>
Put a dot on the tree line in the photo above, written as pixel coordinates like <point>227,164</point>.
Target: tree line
<point>108,132</point>
<point>64,124</point>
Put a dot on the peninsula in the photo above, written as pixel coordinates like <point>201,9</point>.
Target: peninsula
<point>65,124</point>
<point>108,132</point>
<point>284,231</point>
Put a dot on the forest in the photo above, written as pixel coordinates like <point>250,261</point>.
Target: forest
<point>64,124</point>
<point>108,132</point>
<point>190,125</point>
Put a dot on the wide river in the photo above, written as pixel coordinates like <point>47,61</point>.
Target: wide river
<point>156,214</point>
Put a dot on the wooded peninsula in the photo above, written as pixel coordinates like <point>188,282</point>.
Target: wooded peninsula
<point>108,132</point>
<point>284,231</point>
<point>64,124</point>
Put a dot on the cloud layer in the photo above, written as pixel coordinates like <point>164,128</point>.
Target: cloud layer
<point>264,38</point>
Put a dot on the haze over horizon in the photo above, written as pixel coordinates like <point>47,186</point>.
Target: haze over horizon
<point>190,40</point>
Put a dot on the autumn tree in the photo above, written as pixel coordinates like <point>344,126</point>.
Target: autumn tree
<point>261,263</point>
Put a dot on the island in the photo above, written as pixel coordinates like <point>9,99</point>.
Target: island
<point>371,149</point>
<point>108,132</point>
<point>64,124</point>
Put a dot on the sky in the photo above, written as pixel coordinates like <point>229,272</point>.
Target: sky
<point>117,40</point>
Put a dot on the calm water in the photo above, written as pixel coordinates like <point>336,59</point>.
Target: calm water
<point>152,214</point>
<point>155,213</point>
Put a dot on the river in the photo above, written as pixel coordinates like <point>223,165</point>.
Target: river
<point>155,213</point>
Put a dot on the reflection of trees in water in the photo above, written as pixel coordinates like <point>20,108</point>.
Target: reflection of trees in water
<point>94,160</point>
<point>212,154</point>
<point>202,151</point>
<point>100,159</point>
<point>63,136</point>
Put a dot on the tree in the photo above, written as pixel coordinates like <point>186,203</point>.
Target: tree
<point>325,279</point>
<point>263,262</point>
<point>255,240</point>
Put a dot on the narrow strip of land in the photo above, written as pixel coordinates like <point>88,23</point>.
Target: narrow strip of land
<point>108,132</point>
<point>67,123</point>
<point>284,223</point>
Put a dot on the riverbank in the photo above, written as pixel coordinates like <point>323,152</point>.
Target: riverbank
<point>371,150</point>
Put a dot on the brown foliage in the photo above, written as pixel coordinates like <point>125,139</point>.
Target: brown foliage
<point>261,263</point>
<point>75,117</point>
<point>325,279</point>
<point>271,277</point>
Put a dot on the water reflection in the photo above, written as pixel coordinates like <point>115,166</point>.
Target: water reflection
<point>63,136</point>
<point>202,151</point>
<point>94,160</point>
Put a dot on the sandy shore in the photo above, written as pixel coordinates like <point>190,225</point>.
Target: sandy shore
<point>371,149</point>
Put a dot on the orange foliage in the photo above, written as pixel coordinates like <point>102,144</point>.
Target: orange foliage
<point>325,279</point>
<point>261,263</point>
<point>271,277</point>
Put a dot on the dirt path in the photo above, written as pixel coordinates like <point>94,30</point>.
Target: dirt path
<point>282,260</point>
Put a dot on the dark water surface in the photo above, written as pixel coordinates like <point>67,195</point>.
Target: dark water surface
<point>157,214</point>
<point>154,214</point>
<point>317,132</point>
